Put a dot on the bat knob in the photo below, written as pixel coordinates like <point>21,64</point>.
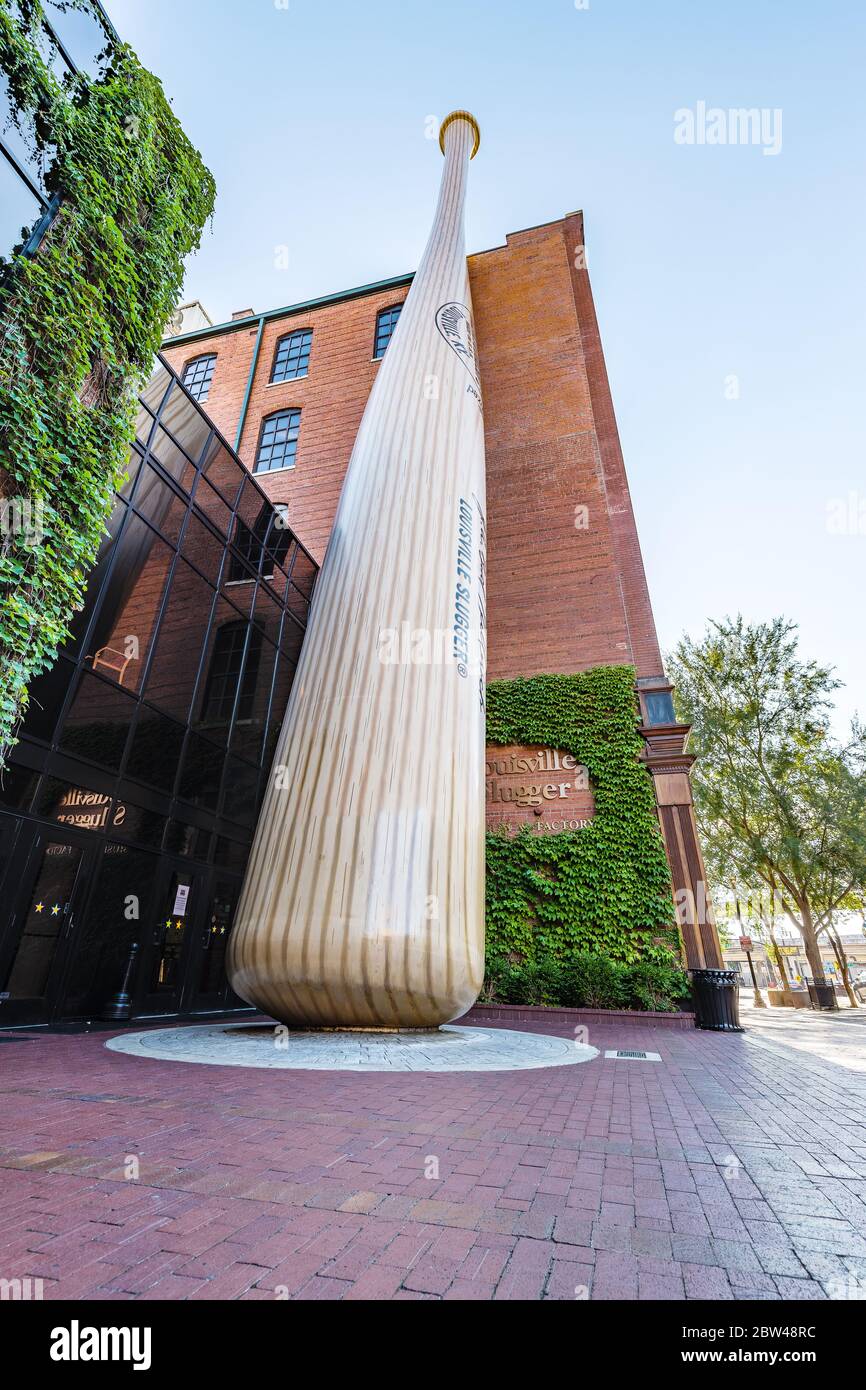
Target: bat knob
<point>460,116</point>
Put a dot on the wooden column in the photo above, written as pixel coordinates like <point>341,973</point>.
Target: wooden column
<point>669,765</point>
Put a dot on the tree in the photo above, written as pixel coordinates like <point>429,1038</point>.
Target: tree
<point>737,891</point>
<point>774,792</point>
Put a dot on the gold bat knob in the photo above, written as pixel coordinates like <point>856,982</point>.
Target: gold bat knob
<point>460,116</point>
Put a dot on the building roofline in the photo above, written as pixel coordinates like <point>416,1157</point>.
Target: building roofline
<point>536,227</point>
<point>252,320</point>
<point>375,287</point>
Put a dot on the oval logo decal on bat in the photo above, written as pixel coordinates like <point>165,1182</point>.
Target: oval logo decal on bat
<point>454,322</point>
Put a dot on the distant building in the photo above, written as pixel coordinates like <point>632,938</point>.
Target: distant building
<point>189,318</point>
<point>797,966</point>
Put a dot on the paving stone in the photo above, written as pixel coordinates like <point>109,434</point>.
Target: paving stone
<point>796,1289</point>
<point>573,1230</point>
<point>704,1282</point>
<point>654,1243</point>
<point>694,1250</point>
<point>314,1188</point>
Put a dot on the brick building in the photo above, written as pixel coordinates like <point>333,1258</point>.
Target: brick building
<point>566,584</point>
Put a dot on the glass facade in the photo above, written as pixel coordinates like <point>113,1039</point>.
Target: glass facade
<point>128,812</point>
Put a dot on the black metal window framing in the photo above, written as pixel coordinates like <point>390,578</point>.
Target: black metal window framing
<point>278,441</point>
<point>292,356</point>
<point>204,768</point>
<point>232,673</point>
<point>260,545</point>
<point>386,322</point>
<point>198,375</point>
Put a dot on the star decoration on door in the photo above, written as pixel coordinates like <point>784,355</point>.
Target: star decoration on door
<point>55,910</point>
<point>40,907</point>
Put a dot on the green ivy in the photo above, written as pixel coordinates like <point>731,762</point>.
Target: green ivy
<point>80,322</point>
<point>605,888</point>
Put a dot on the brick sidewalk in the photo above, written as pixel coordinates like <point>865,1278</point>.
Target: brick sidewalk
<point>734,1168</point>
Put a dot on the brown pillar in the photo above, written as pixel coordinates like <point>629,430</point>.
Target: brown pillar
<point>669,764</point>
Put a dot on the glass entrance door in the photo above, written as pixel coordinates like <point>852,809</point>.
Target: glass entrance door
<point>176,910</point>
<point>42,922</point>
<point>212,989</point>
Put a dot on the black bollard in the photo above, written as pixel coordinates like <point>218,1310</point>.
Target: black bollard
<point>119,1008</point>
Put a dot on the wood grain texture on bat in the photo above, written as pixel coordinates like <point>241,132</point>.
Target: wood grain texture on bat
<point>363,902</point>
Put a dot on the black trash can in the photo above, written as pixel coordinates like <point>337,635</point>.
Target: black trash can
<point>717,1000</point>
<point>821,994</point>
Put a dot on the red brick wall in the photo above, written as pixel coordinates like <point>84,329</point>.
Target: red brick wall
<point>561,596</point>
<point>331,399</point>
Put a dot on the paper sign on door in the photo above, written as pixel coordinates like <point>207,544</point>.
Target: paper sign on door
<point>180,900</point>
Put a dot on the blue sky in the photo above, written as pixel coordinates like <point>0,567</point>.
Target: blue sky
<point>708,262</point>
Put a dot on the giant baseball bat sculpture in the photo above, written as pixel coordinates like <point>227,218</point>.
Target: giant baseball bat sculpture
<point>363,903</point>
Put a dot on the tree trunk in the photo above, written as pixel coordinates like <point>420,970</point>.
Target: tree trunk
<point>779,959</point>
<point>842,962</point>
<point>810,940</point>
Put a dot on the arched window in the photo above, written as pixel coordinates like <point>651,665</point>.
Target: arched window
<point>197,376</point>
<point>278,441</point>
<point>386,322</point>
<point>292,357</point>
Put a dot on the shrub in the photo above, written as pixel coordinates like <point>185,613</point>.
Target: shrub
<point>584,981</point>
<point>594,982</point>
<point>654,986</point>
<point>532,982</point>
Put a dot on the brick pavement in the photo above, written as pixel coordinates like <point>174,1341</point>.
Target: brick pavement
<point>733,1169</point>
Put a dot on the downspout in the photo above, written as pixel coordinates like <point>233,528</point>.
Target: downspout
<point>248,392</point>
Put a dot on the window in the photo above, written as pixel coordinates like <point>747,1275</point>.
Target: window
<point>279,441</point>
<point>228,669</point>
<point>659,707</point>
<point>197,376</point>
<point>292,357</point>
<point>266,541</point>
<point>386,322</point>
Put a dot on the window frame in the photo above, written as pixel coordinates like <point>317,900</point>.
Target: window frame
<point>216,690</point>
<point>388,309</point>
<point>304,351</point>
<point>192,362</point>
<point>259,538</point>
<point>288,410</point>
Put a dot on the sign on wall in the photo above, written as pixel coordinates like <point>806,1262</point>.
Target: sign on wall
<point>542,787</point>
<point>88,810</point>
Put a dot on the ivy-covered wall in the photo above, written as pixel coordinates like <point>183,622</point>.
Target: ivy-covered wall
<point>605,888</point>
<point>80,322</point>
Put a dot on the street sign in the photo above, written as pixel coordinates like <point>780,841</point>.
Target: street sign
<point>745,943</point>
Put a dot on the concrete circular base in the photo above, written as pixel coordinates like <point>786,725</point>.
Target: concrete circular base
<point>444,1049</point>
